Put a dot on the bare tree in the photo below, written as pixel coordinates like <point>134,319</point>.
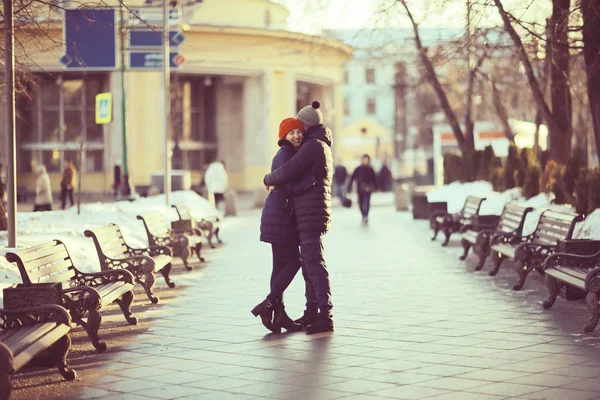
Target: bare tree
<point>559,121</point>
<point>590,10</point>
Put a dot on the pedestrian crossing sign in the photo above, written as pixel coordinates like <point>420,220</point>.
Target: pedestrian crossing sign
<point>103,108</point>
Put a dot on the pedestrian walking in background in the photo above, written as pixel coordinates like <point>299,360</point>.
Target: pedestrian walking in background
<point>217,181</point>
<point>313,214</point>
<point>43,190</point>
<point>340,176</point>
<point>366,183</point>
<point>278,227</point>
<point>68,184</point>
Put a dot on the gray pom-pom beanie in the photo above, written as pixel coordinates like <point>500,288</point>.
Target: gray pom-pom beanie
<point>311,115</point>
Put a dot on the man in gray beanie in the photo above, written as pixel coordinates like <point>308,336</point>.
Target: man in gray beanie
<point>313,213</point>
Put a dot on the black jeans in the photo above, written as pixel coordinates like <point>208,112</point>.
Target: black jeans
<point>286,263</point>
<point>364,202</point>
<point>42,207</point>
<point>318,276</point>
<point>64,192</point>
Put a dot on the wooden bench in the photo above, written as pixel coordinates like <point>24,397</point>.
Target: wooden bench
<point>83,293</point>
<point>511,221</point>
<point>530,251</point>
<point>159,234</point>
<point>576,263</point>
<point>208,226</point>
<point>451,223</point>
<point>189,227</point>
<point>115,253</point>
<point>27,332</point>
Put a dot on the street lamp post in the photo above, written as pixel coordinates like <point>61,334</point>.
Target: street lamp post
<point>167,101</point>
<point>126,188</point>
<point>11,150</point>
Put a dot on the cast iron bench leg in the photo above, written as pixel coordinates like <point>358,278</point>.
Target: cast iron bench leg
<point>523,271</point>
<point>217,235</point>
<point>553,288</point>
<point>198,250</point>
<point>497,258</point>
<point>125,303</point>
<point>5,386</point>
<point>436,230</point>
<point>482,257</point>
<point>466,246</point>
<point>447,233</point>
<point>60,350</point>
<point>165,273</point>
<point>592,301</point>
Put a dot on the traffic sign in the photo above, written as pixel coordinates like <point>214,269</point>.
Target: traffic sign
<point>103,108</point>
<point>90,39</point>
<point>154,16</point>
<point>152,38</point>
<point>152,59</point>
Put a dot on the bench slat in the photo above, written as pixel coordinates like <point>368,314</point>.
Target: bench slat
<point>26,335</point>
<point>567,276</point>
<point>42,343</point>
<point>50,269</point>
<point>47,254</point>
<point>36,251</point>
<point>64,277</point>
<point>111,292</point>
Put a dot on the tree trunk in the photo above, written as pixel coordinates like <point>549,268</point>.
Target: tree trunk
<point>501,111</point>
<point>3,220</point>
<point>591,49</point>
<point>562,109</point>
<point>437,87</point>
<point>538,94</point>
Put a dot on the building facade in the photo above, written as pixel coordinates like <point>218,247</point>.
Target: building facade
<point>243,73</point>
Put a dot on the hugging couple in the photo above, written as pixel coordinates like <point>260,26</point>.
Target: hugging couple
<point>295,217</point>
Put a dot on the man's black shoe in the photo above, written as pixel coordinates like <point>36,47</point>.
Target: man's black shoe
<point>307,319</point>
<point>323,324</point>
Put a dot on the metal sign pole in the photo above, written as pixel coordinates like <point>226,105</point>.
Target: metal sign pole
<point>9,64</point>
<point>167,101</point>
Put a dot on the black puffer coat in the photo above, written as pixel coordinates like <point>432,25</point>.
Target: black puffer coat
<point>313,207</point>
<point>278,223</point>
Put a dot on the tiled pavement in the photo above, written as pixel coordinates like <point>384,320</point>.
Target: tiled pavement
<point>412,322</point>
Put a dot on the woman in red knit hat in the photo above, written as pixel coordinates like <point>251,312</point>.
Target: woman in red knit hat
<point>278,227</point>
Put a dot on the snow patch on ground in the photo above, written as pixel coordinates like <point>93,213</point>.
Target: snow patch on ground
<point>67,226</point>
<point>590,227</point>
<point>456,193</point>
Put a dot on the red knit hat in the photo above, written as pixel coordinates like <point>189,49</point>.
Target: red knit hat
<point>288,125</point>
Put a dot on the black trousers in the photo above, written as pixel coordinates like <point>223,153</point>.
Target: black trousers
<point>364,202</point>
<point>315,272</point>
<point>42,207</point>
<point>286,263</point>
<point>64,192</point>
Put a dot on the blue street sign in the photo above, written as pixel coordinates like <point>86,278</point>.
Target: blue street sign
<point>151,38</point>
<point>90,40</point>
<point>151,59</point>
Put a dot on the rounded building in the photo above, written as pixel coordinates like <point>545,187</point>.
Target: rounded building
<point>242,73</point>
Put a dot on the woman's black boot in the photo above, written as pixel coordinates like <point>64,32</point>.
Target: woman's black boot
<point>265,311</point>
<point>282,320</point>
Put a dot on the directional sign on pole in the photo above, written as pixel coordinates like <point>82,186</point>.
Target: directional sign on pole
<point>90,39</point>
<point>153,59</point>
<point>154,16</point>
<point>152,38</point>
<point>103,108</point>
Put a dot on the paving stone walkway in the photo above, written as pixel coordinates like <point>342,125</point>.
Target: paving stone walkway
<point>412,322</point>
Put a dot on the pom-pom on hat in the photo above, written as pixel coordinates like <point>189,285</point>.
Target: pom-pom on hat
<point>288,125</point>
<point>311,115</point>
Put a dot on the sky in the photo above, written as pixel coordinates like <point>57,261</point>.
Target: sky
<point>312,16</point>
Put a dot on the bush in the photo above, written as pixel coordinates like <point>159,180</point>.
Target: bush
<point>513,164</point>
<point>527,157</point>
<point>487,164</point>
<point>577,162</point>
<point>543,159</point>
<point>553,182</point>
<point>497,179</point>
<point>452,168</point>
<point>581,192</point>
<point>594,190</point>
<point>533,176</point>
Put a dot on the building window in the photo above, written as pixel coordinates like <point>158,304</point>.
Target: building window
<point>370,75</point>
<point>56,117</point>
<point>193,119</point>
<point>346,76</point>
<point>346,106</point>
<point>371,106</point>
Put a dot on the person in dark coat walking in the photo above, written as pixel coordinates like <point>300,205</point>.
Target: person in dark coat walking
<point>340,175</point>
<point>366,183</point>
<point>278,227</point>
<point>313,213</point>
